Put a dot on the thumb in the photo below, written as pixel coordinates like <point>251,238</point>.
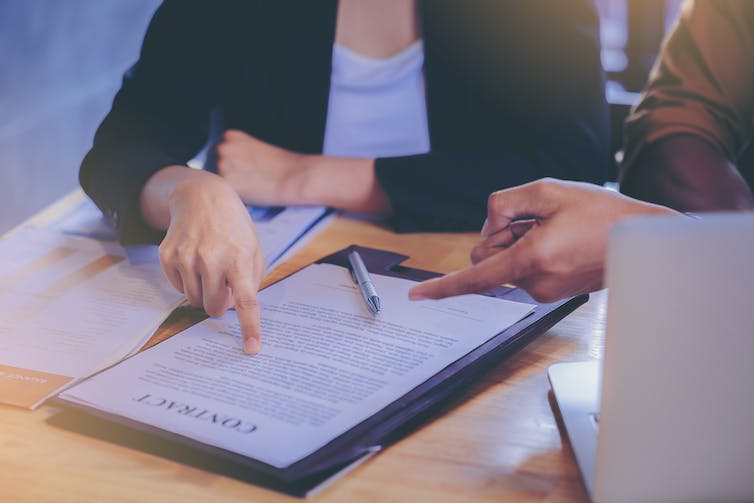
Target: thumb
<point>532,201</point>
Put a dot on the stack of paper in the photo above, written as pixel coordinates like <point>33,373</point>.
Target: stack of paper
<point>70,306</point>
<point>73,301</point>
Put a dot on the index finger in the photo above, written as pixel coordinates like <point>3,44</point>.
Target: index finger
<point>244,289</point>
<point>504,267</point>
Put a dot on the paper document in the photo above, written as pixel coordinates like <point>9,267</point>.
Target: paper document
<point>326,365</point>
<point>70,306</point>
<point>278,228</point>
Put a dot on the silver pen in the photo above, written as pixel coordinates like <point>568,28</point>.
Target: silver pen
<point>361,277</point>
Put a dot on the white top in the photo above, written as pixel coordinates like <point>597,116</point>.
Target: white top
<point>377,106</point>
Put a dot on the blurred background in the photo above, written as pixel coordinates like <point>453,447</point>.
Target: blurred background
<point>62,61</point>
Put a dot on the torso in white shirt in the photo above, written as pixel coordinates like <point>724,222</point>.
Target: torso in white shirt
<point>377,107</point>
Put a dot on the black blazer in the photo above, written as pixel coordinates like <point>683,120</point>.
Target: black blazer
<point>514,93</point>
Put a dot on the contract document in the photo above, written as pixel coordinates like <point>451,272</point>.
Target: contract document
<point>326,365</point>
<point>71,306</point>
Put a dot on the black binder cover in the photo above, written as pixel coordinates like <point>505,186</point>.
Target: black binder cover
<point>364,439</point>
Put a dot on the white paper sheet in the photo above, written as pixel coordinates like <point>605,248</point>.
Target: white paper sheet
<point>70,306</point>
<point>73,301</point>
<point>277,228</point>
<point>326,365</point>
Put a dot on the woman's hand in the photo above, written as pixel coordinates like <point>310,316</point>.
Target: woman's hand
<point>210,252</point>
<point>262,174</point>
<point>548,237</point>
<point>267,175</point>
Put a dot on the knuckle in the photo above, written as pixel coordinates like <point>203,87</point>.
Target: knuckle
<point>239,254</point>
<point>194,297</point>
<point>540,187</point>
<point>184,257</point>
<point>246,301</point>
<point>495,202</point>
<point>547,187</point>
<point>221,163</point>
<point>207,258</point>
<point>229,135</point>
<point>165,253</point>
<point>223,151</point>
<point>214,310</point>
<point>232,135</point>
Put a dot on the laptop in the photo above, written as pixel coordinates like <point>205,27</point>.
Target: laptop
<point>669,415</point>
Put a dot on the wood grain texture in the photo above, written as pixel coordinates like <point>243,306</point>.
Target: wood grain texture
<point>498,442</point>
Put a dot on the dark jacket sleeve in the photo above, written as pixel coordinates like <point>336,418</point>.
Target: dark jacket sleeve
<point>529,103</point>
<point>159,117</point>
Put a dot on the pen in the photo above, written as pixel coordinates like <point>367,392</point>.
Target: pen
<point>361,277</point>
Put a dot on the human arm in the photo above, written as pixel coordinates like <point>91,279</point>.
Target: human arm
<point>159,117</point>
<point>684,137</point>
<point>136,171</point>
<point>687,173</point>
<point>562,253</point>
<point>267,175</point>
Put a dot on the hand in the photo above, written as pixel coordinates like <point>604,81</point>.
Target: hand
<point>548,237</point>
<point>211,252</point>
<point>267,175</point>
<point>262,174</point>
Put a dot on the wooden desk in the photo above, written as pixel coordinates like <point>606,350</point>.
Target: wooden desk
<point>500,442</point>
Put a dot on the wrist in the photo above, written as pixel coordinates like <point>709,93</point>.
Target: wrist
<point>648,208</point>
<point>296,184</point>
<point>195,186</point>
<point>340,182</point>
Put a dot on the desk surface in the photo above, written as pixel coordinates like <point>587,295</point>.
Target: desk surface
<point>499,442</point>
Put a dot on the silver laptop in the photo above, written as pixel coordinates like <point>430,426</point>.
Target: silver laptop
<point>670,414</point>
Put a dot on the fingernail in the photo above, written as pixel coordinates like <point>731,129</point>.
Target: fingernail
<point>251,346</point>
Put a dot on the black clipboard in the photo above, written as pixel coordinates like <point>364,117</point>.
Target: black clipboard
<point>394,421</point>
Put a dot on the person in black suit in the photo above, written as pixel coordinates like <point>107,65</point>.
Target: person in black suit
<point>497,94</point>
